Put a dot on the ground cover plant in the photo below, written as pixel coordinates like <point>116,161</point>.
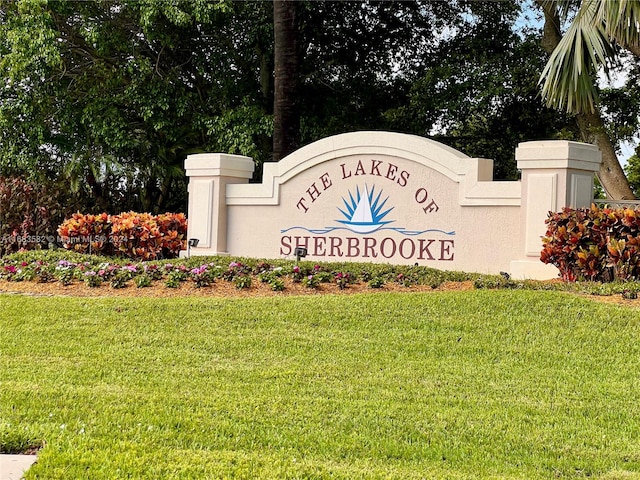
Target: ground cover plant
<point>47,268</point>
<point>64,267</point>
<point>476,384</point>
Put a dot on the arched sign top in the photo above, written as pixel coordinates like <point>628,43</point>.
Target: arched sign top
<point>423,153</point>
<point>426,152</point>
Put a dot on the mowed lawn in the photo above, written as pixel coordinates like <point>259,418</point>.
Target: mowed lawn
<point>478,384</point>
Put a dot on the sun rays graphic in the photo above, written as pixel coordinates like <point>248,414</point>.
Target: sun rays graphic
<point>364,210</point>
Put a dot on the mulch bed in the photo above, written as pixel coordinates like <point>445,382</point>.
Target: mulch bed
<point>220,288</point>
<point>224,289</point>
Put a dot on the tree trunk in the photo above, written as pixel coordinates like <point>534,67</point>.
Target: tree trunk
<point>97,191</point>
<point>611,175</point>
<point>591,126</point>
<point>266,80</point>
<point>286,107</point>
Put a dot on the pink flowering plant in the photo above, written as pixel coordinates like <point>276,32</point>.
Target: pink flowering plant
<point>67,267</point>
<point>311,281</point>
<point>64,272</point>
<point>262,267</point>
<point>92,279</point>
<point>174,275</point>
<point>321,274</point>
<point>25,271</point>
<point>342,279</point>
<point>8,272</point>
<point>272,276</point>
<point>236,269</point>
<point>204,275</point>
<point>408,278</point>
<point>404,280</point>
<point>169,268</point>
<point>240,274</point>
<point>297,274</point>
<point>44,272</point>
<point>301,273</point>
<point>122,275</point>
<point>153,271</point>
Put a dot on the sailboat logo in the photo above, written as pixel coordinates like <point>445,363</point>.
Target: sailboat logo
<point>364,212</point>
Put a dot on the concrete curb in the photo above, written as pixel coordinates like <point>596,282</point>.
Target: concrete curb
<point>13,467</point>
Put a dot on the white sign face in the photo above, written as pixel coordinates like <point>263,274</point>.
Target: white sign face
<point>368,208</point>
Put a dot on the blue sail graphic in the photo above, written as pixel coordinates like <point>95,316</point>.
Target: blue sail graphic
<point>364,213</point>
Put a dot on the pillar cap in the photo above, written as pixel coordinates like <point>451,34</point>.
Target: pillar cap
<point>558,154</point>
<point>219,165</point>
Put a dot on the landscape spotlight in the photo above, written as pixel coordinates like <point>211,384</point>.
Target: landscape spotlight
<point>300,252</point>
<point>192,242</point>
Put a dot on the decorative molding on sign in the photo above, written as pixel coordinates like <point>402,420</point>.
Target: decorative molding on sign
<point>474,174</point>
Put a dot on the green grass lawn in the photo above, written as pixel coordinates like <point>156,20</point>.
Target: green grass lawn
<point>478,384</point>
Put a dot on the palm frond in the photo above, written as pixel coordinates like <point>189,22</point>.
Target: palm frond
<point>564,7</point>
<point>621,19</point>
<point>568,78</point>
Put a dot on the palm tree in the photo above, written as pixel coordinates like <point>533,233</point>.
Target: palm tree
<point>588,45</point>
<point>592,42</point>
<point>286,104</point>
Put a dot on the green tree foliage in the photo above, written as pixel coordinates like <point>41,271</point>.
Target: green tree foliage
<point>477,94</point>
<point>361,59</point>
<point>111,96</point>
<point>632,170</point>
<point>620,105</point>
<point>114,94</point>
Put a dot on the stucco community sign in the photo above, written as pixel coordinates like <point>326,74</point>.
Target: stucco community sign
<point>388,198</point>
<point>363,222</point>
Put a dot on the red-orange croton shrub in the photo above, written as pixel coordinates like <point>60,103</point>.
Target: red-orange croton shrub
<point>139,236</point>
<point>174,232</point>
<point>593,244</point>
<point>87,233</point>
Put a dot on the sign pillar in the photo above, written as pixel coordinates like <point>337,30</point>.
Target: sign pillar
<point>209,174</point>
<point>555,174</point>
